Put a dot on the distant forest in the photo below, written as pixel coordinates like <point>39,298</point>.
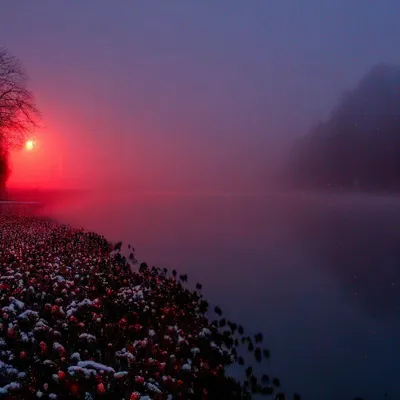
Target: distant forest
<point>358,147</point>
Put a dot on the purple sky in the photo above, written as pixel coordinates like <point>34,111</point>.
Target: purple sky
<point>186,94</point>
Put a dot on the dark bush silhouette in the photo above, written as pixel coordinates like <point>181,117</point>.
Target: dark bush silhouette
<point>4,171</point>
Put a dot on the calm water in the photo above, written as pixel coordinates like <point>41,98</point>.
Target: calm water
<point>319,275</point>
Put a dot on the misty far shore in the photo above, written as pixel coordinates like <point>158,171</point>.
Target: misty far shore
<point>357,149</point>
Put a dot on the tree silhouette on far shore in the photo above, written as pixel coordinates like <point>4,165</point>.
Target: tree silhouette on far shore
<point>358,147</point>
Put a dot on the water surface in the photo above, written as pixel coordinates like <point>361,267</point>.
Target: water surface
<point>317,274</point>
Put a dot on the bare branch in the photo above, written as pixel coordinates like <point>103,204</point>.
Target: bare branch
<point>18,113</point>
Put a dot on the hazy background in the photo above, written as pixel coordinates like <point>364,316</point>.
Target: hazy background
<point>185,95</point>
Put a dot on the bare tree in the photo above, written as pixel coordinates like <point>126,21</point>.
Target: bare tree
<point>18,113</point>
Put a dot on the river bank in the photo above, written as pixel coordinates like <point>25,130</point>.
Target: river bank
<point>77,322</point>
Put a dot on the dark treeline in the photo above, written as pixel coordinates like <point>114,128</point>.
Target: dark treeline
<point>358,147</point>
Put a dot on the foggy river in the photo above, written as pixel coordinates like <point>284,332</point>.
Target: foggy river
<point>318,274</point>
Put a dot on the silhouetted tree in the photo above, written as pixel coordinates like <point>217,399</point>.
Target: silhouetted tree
<point>18,113</point>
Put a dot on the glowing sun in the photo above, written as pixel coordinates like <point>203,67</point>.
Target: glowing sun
<point>29,145</point>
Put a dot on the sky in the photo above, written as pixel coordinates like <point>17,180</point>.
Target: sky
<point>180,94</point>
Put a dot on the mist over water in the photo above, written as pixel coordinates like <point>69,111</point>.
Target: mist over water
<point>317,273</point>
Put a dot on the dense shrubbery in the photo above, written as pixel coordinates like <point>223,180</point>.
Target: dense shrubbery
<point>76,322</point>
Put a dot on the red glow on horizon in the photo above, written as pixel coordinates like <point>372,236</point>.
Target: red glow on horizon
<point>35,165</point>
